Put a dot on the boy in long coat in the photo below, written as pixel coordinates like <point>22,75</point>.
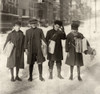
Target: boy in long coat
<point>33,42</point>
<point>56,35</point>
<point>74,58</point>
<point>16,59</point>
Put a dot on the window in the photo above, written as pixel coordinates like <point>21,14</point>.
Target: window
<point>23,12</point>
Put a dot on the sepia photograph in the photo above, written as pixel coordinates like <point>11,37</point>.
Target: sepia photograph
<point>49,46</point>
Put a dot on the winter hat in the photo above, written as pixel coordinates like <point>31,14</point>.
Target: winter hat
<point>58,22</point>
<point>75,25</point>
<point>33,21</point>
<point>17,23</point>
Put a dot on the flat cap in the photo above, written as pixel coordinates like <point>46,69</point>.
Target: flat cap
<point>33,21</point>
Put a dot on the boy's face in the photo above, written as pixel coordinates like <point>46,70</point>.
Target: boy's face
<point>34,25</point>
<point>56,26</point>
<point>17,27</point>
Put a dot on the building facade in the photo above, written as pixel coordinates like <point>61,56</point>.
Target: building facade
<point>27,9</point>
<point>45,11</point>
<point>8,13</point>
<point>11,10</point>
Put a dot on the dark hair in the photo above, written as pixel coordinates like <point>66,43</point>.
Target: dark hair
<point>17,23</point>
<point>58,22</point>
<point>75,25</point>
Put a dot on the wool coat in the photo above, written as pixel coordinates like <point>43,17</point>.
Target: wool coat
<point>16,58</point>
<point>58,52</point>
<point>73,58</point>
<point>33,42</point>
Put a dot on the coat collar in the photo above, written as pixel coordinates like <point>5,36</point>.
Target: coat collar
<point>17,31</point>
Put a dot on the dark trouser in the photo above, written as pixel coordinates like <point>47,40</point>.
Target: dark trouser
<point>31,69</point>
<point>58,64</point>
<point>78,72</point>
<point>31,66</point>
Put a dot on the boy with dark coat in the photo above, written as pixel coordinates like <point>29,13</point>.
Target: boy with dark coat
<point>74,58</point>
<point>56,35</point>
<point>33,42</point>
<point>16,59</point>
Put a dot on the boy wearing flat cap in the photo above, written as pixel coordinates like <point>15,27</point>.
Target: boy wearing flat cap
<point>33,48</point>
<point>74,57</point>
<point>56,34</point>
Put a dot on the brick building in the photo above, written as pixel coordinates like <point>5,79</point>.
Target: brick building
<point>8,12</point>
<point>44,10</point>
<point>11,10</point>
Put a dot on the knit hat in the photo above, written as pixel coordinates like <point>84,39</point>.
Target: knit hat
<point>75,25</point>
<point>58,22</point>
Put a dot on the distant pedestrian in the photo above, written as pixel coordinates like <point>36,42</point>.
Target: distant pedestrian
<point>74,53</point>
<point>16,58</point>
<point>33,42</point>
<point>54,47</point>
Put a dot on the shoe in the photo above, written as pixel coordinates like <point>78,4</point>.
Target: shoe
<point>71,77</point>
<point>60,77</point>
<point>18,79</point>
<point>12,79</point>
<point>41,78</point>
<point>30,79</point>
<point>79,78</point>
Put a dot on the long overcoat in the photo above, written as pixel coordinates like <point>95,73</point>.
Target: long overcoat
<point>16,58</point>
<point>33,44</point>
<point>58,36</point>
<point>73,58</point>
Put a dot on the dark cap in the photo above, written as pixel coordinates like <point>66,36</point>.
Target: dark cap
<point>58,22</point>
<point>75,25</point>
<point>33,21</point>
<point>17,23</point>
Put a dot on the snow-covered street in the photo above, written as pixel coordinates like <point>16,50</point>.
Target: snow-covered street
<point>90,72</point>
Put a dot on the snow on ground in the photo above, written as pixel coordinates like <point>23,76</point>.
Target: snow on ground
<point>90,72</point>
